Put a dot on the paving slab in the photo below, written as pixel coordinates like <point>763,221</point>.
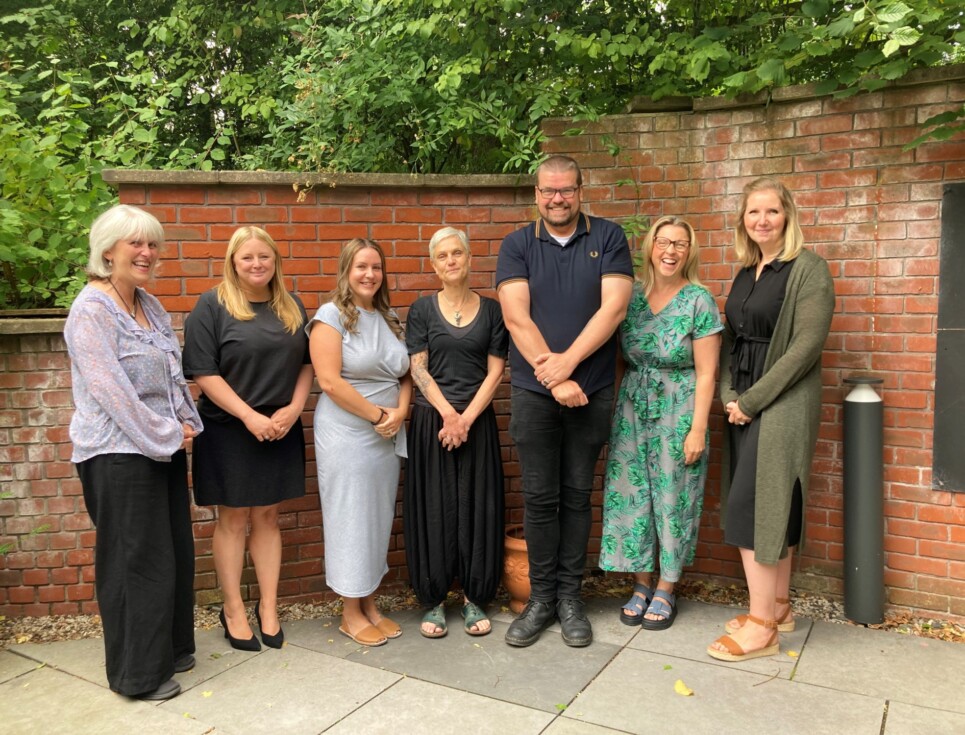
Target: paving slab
<point>699,624</point>
<point>85,658</point>
<point>638,686</point>
<point>12,666</point>
<point>320,635</point>
<point>908,719</point>
<point>566,726</point>
<point>884,664</point>
<point>56,703</point>
<point>413,706</point>
<point>546,675</point>
<point>293,690</point>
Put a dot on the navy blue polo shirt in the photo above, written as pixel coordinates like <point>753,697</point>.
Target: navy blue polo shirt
<point>564,291</point>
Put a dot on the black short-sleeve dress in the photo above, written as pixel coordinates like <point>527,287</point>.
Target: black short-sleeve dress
<point>261,362</point>
<point>453,501</point>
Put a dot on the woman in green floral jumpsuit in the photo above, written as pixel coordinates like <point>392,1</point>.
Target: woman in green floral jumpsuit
<point>654,484</point>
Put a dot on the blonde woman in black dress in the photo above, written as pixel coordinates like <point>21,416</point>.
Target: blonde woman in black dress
<point>245,347</point>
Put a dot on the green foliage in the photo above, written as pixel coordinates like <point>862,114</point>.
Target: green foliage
<point>186,85</point>
<point>420,86</point>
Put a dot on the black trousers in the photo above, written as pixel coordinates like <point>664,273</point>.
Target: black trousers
<point>144,564</point>
<point>453,507</point>
<point>558,449</point>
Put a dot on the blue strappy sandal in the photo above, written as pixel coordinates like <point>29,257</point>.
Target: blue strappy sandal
<point>636,604</point>
<point>663,604</point>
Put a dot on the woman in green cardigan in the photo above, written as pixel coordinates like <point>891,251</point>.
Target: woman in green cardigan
<point>778,315</point>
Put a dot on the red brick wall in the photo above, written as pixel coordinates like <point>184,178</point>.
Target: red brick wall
<point>868,206</point>
<point>872,209</point>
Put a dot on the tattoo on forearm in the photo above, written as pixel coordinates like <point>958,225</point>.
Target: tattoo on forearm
<point>419,367</point>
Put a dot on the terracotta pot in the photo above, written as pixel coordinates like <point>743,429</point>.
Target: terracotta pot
<point>516,568</point>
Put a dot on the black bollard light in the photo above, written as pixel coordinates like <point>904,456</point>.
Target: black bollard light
<point>864,583</point>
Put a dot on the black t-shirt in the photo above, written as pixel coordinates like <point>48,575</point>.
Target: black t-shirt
<point>259,358</point>
<point>458,356</point>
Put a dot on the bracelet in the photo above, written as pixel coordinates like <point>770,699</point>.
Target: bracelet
<point>382,415</point>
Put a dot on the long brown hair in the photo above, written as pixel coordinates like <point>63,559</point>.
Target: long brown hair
<point>342,295</point>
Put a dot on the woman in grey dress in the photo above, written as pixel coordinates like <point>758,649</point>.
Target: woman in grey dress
<point>360,359</point>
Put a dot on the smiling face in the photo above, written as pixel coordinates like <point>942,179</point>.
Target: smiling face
<point>557,212</point>
<point>132,260</point>
<point>669,264</point>
<point>765,220</point>
<point>254,262</point>
<point>365,277</point>
<point>450,261</point>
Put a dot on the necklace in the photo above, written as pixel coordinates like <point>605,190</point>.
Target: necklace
<point>456,310</point>
<point>132,310</point>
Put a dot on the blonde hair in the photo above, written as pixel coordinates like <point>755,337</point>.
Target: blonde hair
<point>232,296</point>
<point>342,295</point>
<point>747,251</point>
<point>120,222</point>
<point>645,271</point>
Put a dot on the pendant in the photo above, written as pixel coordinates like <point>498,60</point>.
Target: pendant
<point>458,317</point>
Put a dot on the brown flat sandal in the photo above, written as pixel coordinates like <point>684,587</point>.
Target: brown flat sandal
<point>389,628</point>
<point>734,651</point>
<point>785,624</point>
<point>368,636</point>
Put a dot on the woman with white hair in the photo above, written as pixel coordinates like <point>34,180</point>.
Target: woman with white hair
<point>245,347</point>
<point>133,419</point>
<point>453,491</point>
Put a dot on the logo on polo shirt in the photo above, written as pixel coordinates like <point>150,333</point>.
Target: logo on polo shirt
<point>594,254</point>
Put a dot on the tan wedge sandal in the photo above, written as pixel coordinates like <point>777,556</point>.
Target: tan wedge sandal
<point>734,651</point>
<point>785,623</point>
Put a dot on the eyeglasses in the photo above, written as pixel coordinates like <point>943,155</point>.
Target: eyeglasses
<point>568,193</point>
<point>663,243</point>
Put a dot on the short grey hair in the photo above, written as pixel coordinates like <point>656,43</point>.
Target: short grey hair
<point>444,234</point>
<point>120,222</point>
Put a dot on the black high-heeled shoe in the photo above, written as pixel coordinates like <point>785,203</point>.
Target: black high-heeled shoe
<point>272,641</point>
<point>251,644</point>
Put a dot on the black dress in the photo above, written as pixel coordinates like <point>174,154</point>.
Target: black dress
<point>261,362</point>
<point>453,501</point>
<point>752,309</point>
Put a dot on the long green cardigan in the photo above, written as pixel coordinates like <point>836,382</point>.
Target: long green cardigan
<point>787,402</point>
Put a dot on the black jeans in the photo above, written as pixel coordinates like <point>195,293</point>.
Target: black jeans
<point>144,565</point>
<point>558,448</point>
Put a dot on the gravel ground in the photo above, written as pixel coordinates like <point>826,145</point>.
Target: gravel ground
<point>72,627</point>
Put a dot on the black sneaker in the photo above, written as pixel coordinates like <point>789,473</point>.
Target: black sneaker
<point>183,663</point>
<point>576,628</point>
<point>167,690</point>
<point>535,618</point>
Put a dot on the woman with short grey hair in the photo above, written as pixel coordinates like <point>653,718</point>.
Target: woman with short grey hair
<point>453,493</point>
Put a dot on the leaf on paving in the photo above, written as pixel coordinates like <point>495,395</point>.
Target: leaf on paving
<point>561,707</point>
<point>206,694</point>
<point>682,689</point>
<point>215,655</point>
<point>667,667</point>
<point>793,654</point>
